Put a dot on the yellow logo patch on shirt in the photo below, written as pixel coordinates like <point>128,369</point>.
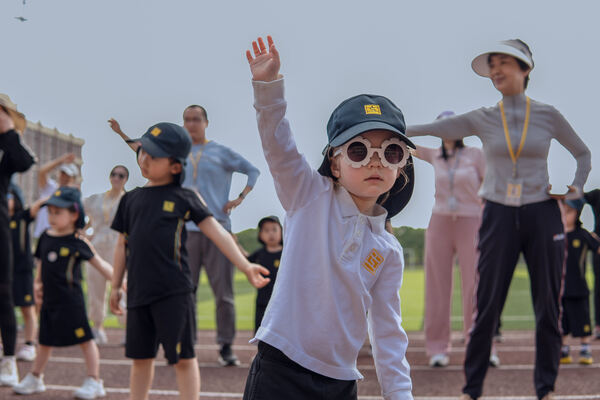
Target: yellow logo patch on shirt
<point>576,243</point>
<point>373,261</point>
<point>13,224</point>
<point>587,328</point>
<point>178,348</point>
<point>156,131</point>
<point>27,298</point>
<point>64,251</point>
<point>168,206</point>
<point>276,263</point>
<point>79,332</point>
<point>372,109</point>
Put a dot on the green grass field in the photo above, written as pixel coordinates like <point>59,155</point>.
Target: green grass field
<point>518,312</point>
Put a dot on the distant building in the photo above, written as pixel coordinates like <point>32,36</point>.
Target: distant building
<point>47,144</point>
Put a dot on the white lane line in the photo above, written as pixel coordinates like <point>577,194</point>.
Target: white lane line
<point>365,367</point>
<point>159,392</point>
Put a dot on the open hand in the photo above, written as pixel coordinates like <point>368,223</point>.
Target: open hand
<point>255,273</point>
<point>265,64</point>
<point>114,125</point>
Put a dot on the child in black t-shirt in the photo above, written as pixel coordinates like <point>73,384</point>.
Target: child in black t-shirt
<point>270,236</point>
<point>20,218</point>
<point>63,319</point>
<point>151,220</point>
<point>575,301</point>
<point>593,199</point>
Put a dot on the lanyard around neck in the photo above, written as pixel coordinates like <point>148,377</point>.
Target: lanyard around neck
<point>514,157</point>
<point>194,160</point>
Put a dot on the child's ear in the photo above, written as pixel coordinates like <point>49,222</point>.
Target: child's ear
<point>176,168</point>
<point>334,163</point>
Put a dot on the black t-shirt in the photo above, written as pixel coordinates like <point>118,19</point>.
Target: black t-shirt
<point>21,244</point>
<point>593,198</point>
<point>580,241</point>
<point>271,262</point>
<point>152,219</point>
<point>61,268</point>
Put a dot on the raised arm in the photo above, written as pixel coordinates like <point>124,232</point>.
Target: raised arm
<point>114,125</point>
<point>35,207</point>
<point>455,127</point>
<point>296,182</point>
<point>225,242</point>
<point>50,165</point>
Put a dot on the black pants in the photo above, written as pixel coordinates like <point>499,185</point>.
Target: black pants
<point>8,322</point>
<point>537,231</point>
<point>597,289</point>
<point>273,376</point>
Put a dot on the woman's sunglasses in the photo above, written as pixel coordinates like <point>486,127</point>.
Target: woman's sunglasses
<point>393,152</point>
<point>118,175</point>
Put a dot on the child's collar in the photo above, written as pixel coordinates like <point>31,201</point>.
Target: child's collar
<point>348,209</point>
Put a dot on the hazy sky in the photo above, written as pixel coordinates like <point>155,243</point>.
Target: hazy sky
<point>75,63</point>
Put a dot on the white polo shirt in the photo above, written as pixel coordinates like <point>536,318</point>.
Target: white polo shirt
<point>340,271</point>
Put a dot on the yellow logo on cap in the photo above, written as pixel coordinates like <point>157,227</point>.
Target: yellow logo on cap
<point>372,109</point>
<point>168,206</point>
<point>64,251</point>
<point>156,131</point>
<point>57,193</point>
<point>79,333</point>
<point>373,261</point>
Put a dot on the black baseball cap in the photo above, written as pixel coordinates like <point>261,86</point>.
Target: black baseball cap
<point>65,197</point>
<point>270,218</point>
<point>166,139</point>
<point>367,112</point>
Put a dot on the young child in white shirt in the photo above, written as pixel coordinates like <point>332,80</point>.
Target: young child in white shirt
<point>341,276</point>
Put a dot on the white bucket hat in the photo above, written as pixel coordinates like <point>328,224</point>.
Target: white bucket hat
<point>514,47</point>
<point>17,117</point>
<point>69,169</point>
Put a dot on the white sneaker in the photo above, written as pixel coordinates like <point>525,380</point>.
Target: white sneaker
<point>30,384</point>
<point>494,360</point>
<point>99,336</point>
<point>27,353</point>
<point>439,360</point>
<point>90,389</point>
<point>9,374</point>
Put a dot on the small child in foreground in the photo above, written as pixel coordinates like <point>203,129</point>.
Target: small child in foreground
<point>63,319</point>
<point>341,272</point>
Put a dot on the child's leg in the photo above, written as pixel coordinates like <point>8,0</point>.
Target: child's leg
<point>43,355</point>
<point>188,379</point>
<point>142,373</point>
<point>30,320</point>
<point>92,358</point>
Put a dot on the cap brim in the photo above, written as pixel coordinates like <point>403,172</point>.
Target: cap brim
<point>150,147</point>
<point>480,63</point>
<point>57,202</point>
<point>364,127</point>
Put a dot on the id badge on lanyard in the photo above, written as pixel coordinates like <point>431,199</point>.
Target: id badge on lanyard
<point>514,185</point>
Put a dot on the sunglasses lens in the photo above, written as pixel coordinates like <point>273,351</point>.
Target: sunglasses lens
<point>393,153</point>
<point>357,151</point>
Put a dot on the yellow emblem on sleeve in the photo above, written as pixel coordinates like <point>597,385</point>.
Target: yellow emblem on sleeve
<point>168,206</point>
<point>372,109</point>
<point>13,224</point>
<point>64,251</point>
<point>156,131</point>
<point>373,261</point>
<point>79,332</point>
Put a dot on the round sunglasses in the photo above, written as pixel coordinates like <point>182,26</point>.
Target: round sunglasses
<point>357,152</point>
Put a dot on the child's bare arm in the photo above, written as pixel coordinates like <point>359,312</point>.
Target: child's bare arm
<point>225,242</point>
<point>38,287</point>
<point>102,266</point>
<point>117,278</point>
<point>35,207</point>
<point>114,125</point>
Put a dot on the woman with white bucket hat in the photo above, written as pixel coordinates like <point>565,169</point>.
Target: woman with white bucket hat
<point>520,214</point>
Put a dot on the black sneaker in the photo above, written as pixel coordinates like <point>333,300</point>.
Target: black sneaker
<point>227,358</point>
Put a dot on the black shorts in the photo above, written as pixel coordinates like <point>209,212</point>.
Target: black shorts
<point>64,325</point>
<point>170,321</point>
<point>576,317</point>
<point>23,289</point>
<point>273,376</point>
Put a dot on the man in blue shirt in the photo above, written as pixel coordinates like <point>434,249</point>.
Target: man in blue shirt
<point>208,170</point>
